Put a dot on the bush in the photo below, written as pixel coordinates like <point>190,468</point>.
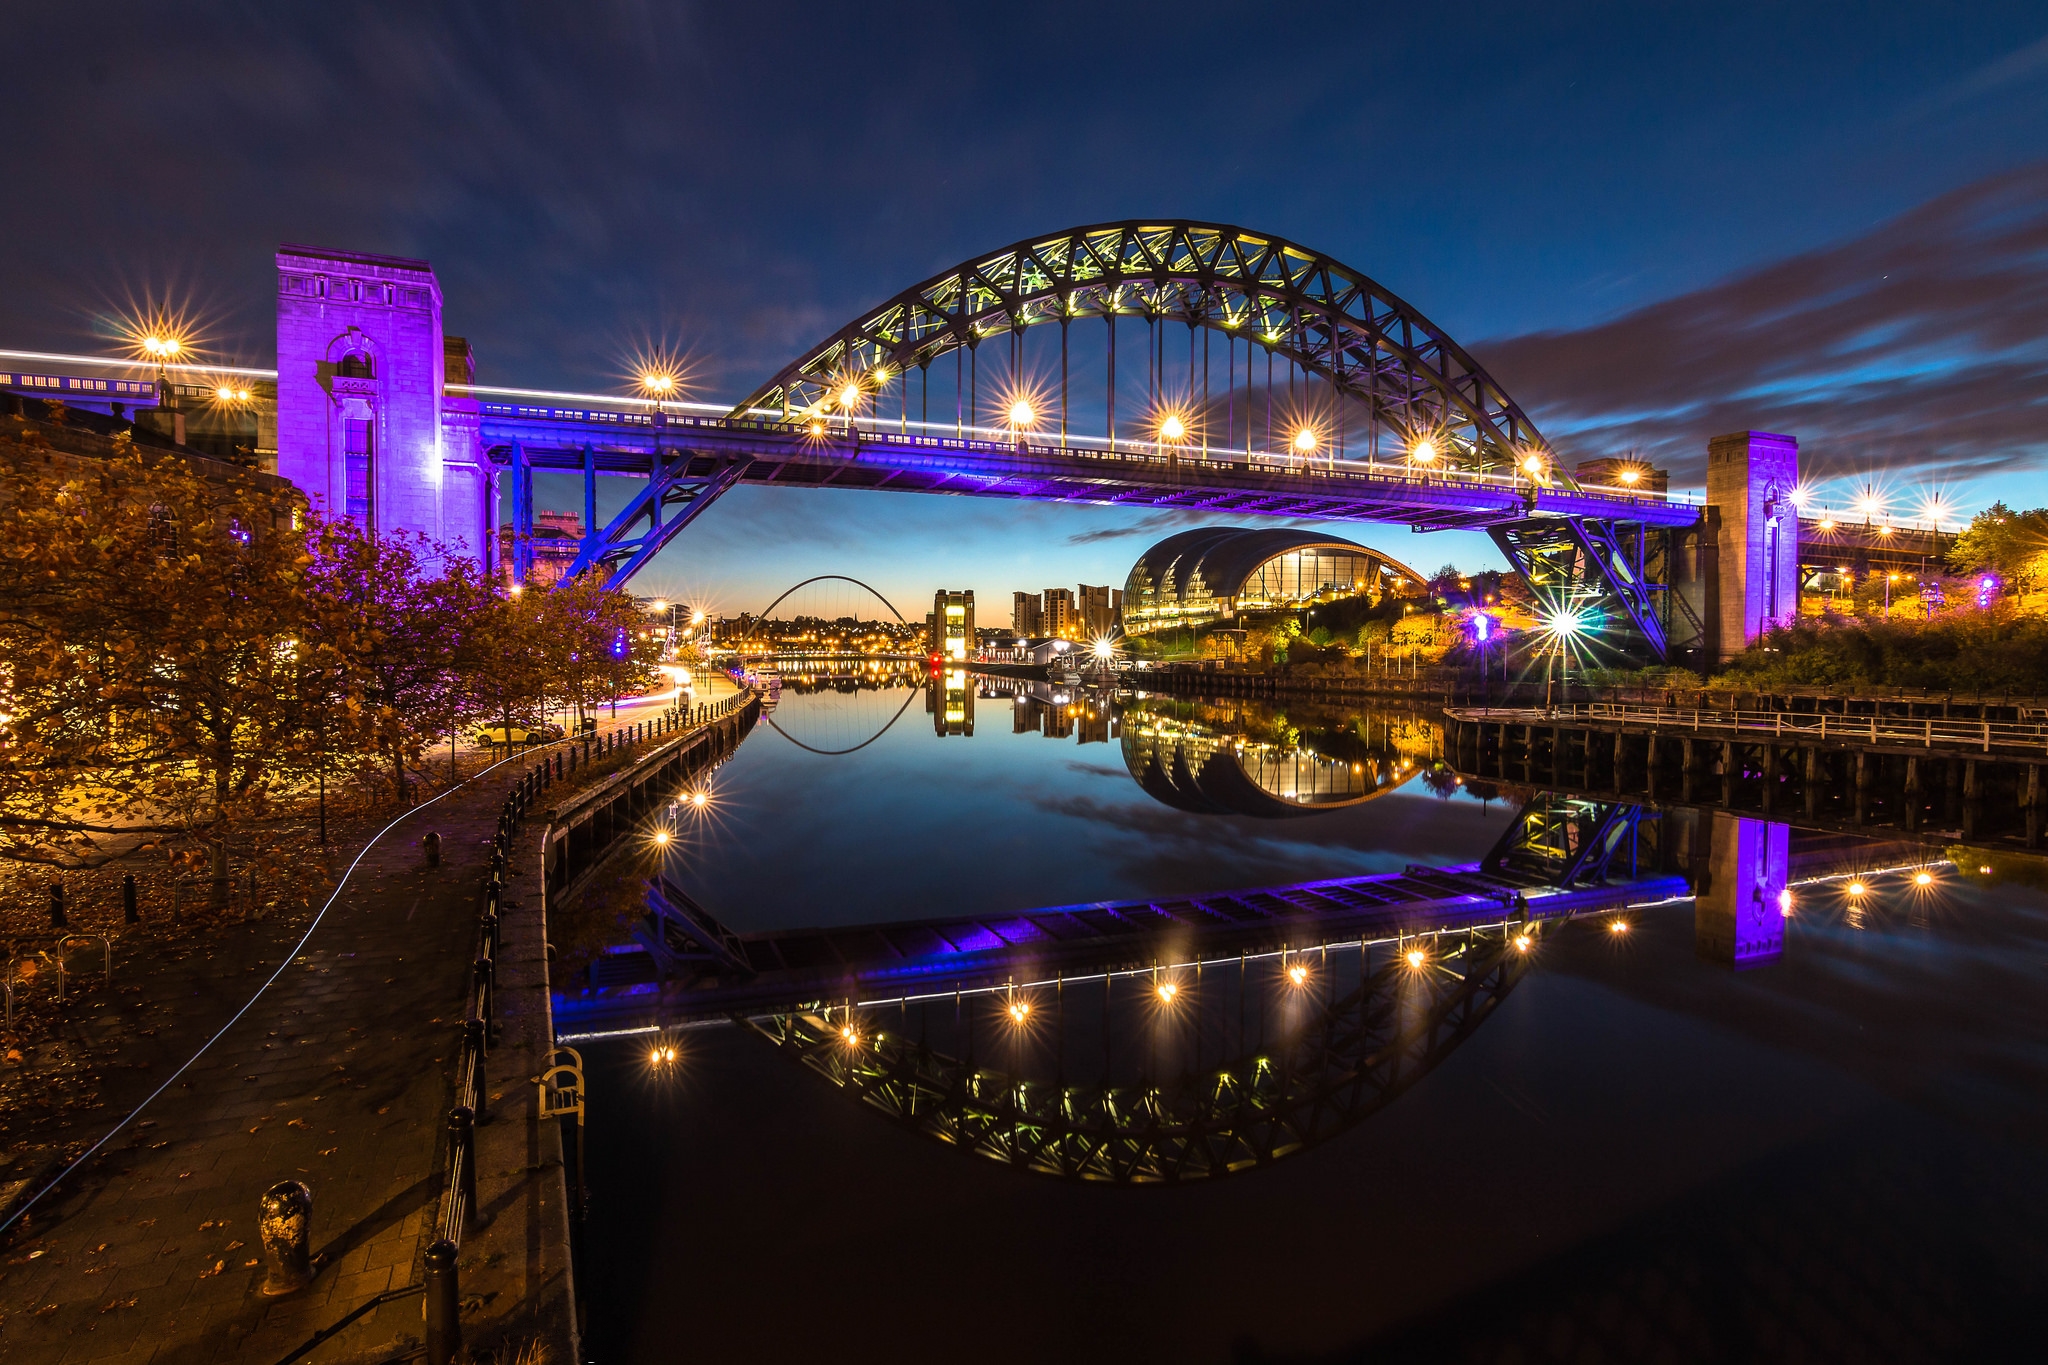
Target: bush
<point>1987,651</point>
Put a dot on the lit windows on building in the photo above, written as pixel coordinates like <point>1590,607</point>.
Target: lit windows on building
<point>950,626</point>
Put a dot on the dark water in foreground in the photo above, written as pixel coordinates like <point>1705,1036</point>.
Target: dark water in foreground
<point>1640,1156</point>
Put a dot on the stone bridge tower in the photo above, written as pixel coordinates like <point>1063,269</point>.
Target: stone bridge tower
<point>365,425</point>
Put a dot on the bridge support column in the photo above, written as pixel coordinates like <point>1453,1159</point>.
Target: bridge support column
<point>1911,818</point>
<point>1750,479</point>
<point>1863,780</point>
<point>1770,776</point>
<point>1528,753</point>
<point>1688,767</point>
<point>1730,769</point>
<point>1556,752</point>
<point>1650,764</point>
<point>522,516</point>
<point>1810,781</point>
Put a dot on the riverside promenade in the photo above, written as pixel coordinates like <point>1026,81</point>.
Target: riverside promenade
<point>340,1075</point>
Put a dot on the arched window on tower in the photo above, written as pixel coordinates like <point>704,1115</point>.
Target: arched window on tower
<point>354,366</point>
<point>359,452</point>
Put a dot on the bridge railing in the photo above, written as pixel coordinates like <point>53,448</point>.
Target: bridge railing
<point>1927,732</point>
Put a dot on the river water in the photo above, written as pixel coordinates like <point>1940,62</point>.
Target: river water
<point>1642,1153</point>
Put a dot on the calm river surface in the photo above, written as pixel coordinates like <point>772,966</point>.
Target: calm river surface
<point>1641,1155</point>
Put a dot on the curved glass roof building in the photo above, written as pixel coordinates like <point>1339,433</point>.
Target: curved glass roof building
<point>1218,572</point>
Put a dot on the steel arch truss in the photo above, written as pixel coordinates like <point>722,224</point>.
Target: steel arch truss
<point>1577,565</point>
<point>1332,1072</point>
<point>671,500</point>
<point>1334,321</point>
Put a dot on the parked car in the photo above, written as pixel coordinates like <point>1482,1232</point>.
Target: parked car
<point>510,734</point>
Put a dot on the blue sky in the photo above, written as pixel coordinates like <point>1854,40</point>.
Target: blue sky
<point>1653,223</point>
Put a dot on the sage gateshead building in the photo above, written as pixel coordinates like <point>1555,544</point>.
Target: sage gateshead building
<point>1217,573</point>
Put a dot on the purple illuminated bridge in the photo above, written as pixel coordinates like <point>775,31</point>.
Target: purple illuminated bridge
<point>1275,382</point>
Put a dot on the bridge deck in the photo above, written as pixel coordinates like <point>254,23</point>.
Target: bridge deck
<point>1146,475</point>
<point>688,967</point>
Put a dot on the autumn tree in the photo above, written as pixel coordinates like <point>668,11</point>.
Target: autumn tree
<point>148,618</point>
<point>400,635</point>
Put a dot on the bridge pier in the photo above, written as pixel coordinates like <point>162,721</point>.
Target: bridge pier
<point>1863,780</point>
<point>2033,805</point>
<point>1688,768</point>
<point>1770,766</point>
<point>1730,769</point>
<point>1810,783</point>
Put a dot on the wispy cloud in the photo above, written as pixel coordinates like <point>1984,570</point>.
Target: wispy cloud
<point>2022,64</point>
<point>1923,344</point>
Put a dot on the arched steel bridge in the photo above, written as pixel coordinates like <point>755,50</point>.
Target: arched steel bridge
<point>830,577</point>
<point>1443,446</point>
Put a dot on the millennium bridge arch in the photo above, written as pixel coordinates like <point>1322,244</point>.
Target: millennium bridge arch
<point>826,578</point>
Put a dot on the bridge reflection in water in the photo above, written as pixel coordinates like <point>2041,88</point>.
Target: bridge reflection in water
<point>1165,1040</point>
<point>1179,1073</point>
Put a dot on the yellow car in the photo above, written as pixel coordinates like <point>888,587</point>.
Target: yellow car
<point>509,734</point>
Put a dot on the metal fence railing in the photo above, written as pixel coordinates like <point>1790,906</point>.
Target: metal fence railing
<point>561,1086</point>
<point>1997,737</point>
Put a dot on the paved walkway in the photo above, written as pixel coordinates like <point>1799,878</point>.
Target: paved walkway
<point>338,1076</point>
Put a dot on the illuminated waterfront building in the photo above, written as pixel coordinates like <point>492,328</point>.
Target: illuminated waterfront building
<point>1027,612</point>
<point>949,630</point>
<point>1219,572</point>
<point>1098,610</point>
<point>1059,617</point>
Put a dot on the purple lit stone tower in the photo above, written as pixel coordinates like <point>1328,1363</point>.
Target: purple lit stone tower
<point>1751,476</point>
<point>365,426</point>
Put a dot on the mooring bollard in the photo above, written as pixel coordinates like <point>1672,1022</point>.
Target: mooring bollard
<point>285,1222</point>
<point>432,844</point>
<point>444,1306</point>
<point>129,914</point>
<point>57,920</point>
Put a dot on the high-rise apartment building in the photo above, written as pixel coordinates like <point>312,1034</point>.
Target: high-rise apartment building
<point>1098,618</point>
<point>949,629</point>
<point>1027,614</point>
<point>1059,618</point>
